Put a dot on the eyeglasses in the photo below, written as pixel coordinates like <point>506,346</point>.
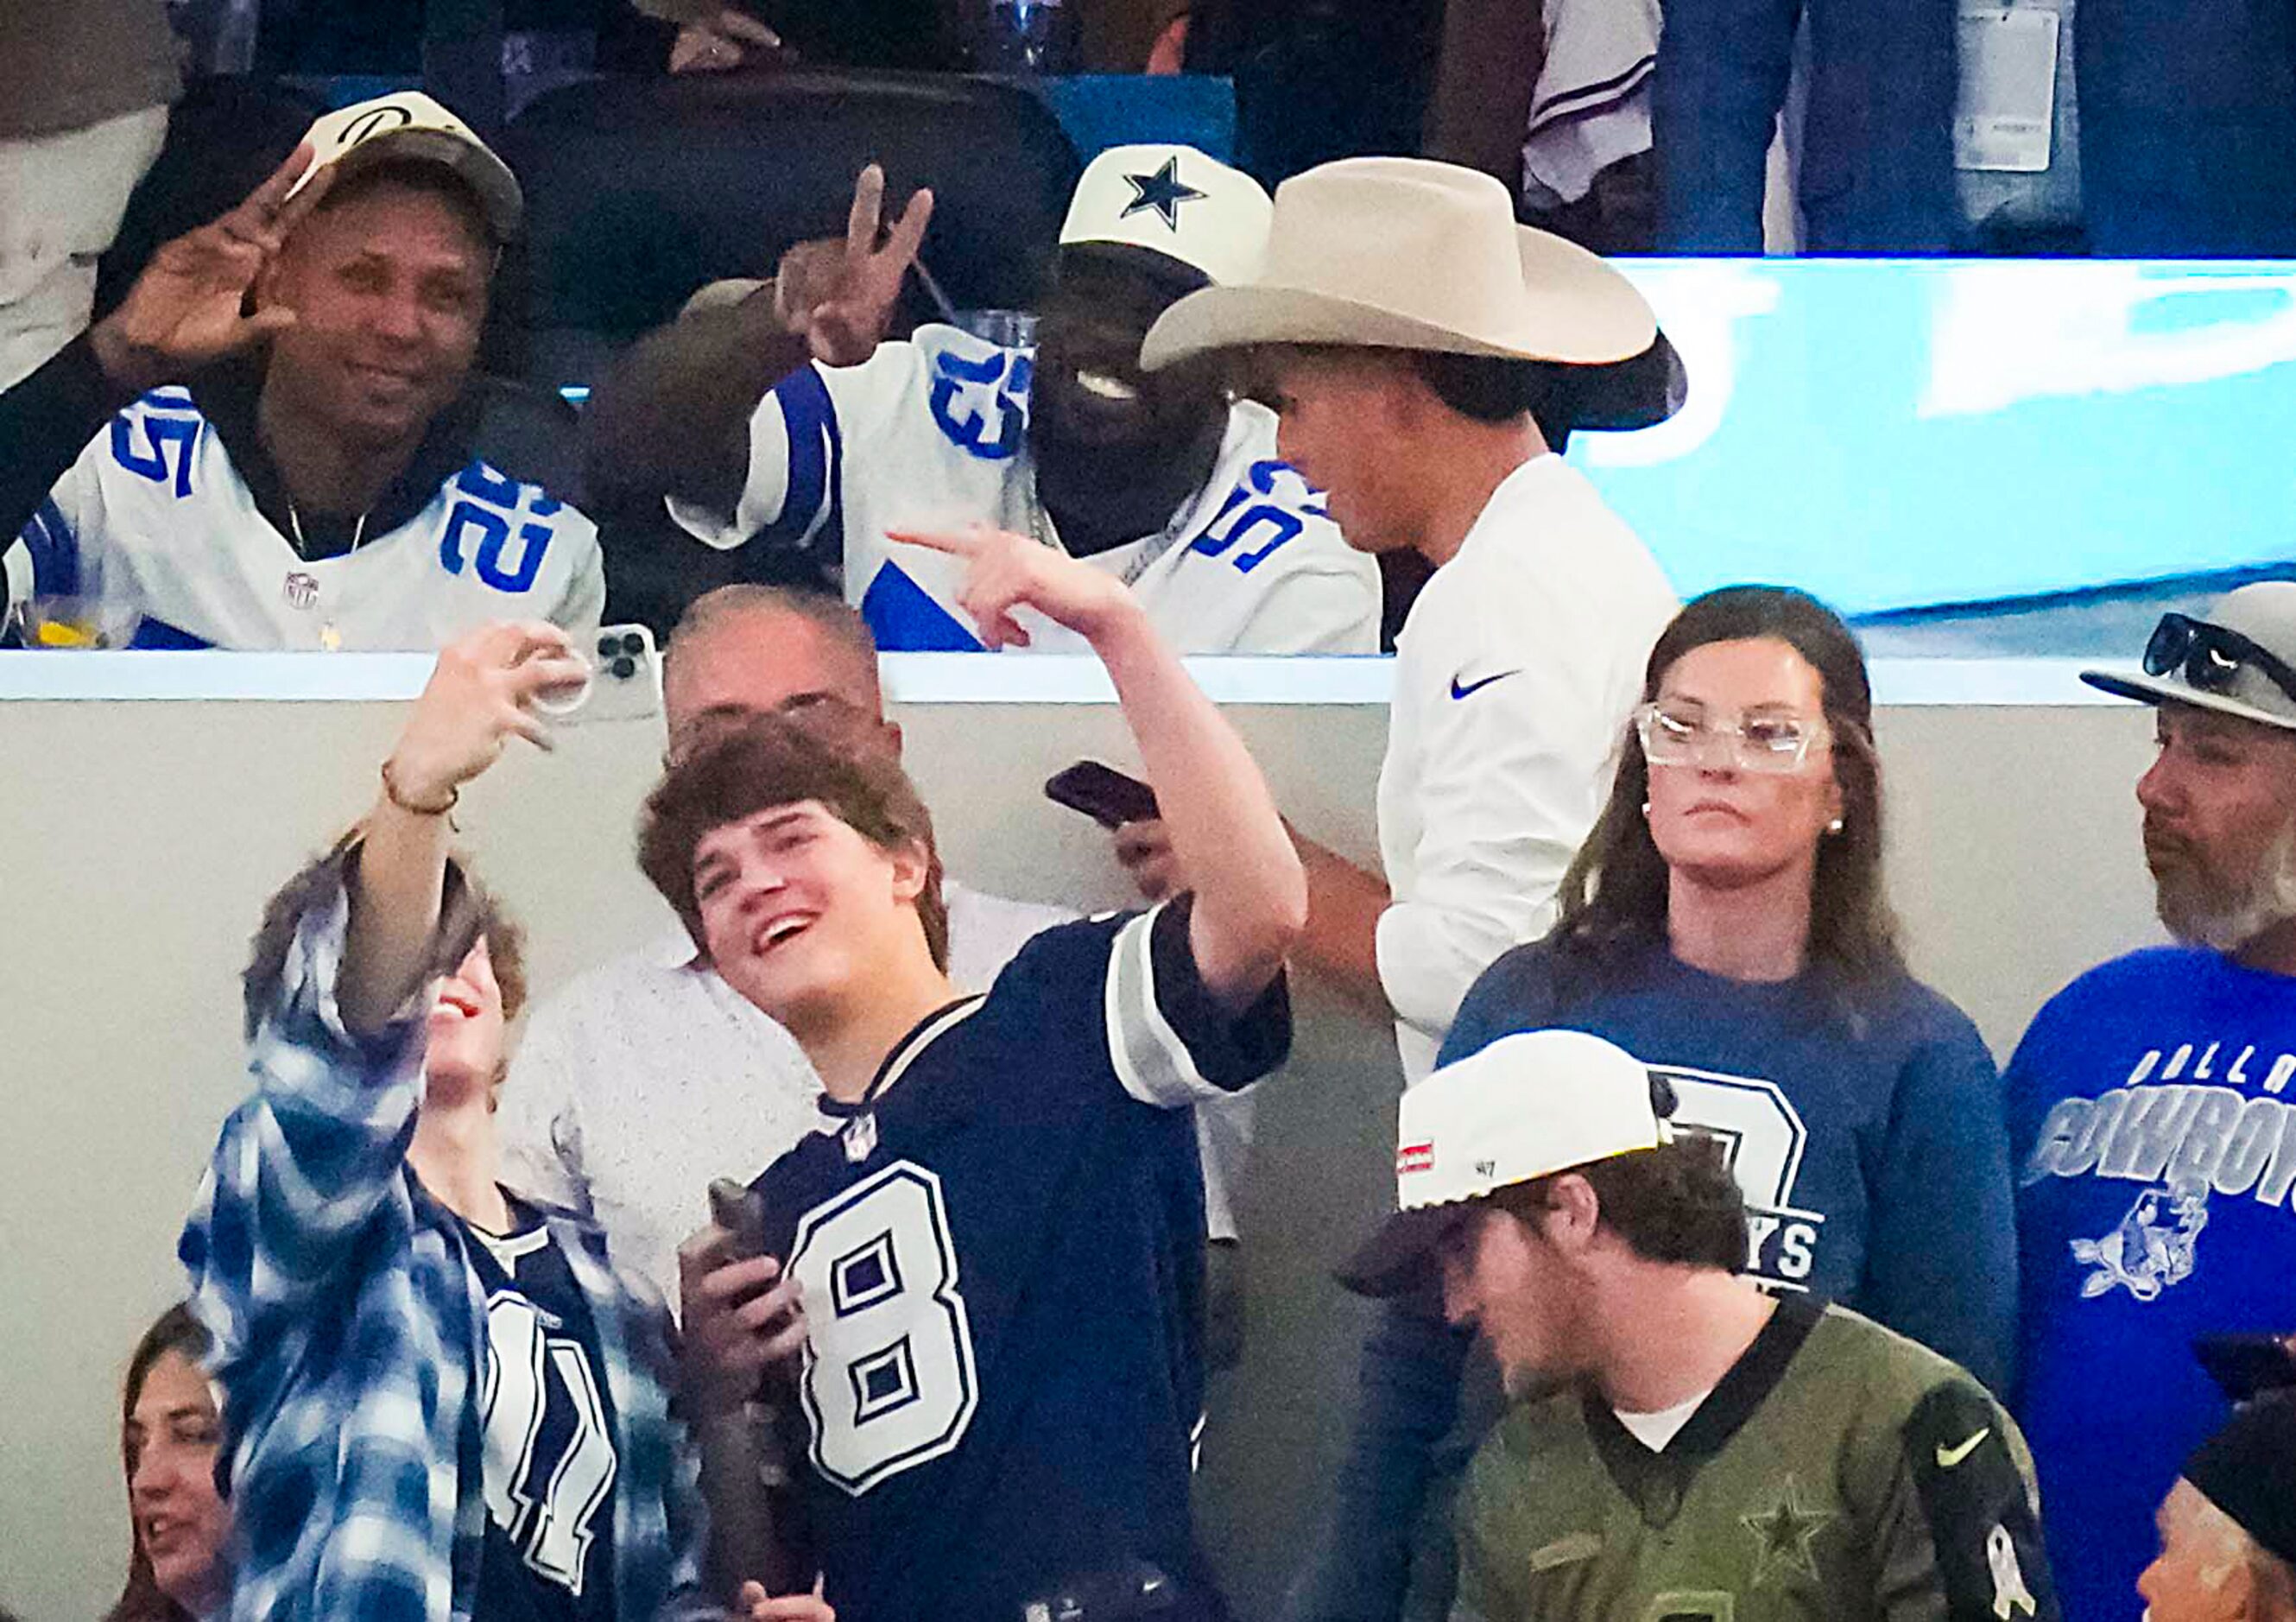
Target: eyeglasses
<point>1776,744</point>
<point>2212,656</point>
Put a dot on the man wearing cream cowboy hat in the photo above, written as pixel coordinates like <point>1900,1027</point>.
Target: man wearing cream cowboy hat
<point>1427,357</point>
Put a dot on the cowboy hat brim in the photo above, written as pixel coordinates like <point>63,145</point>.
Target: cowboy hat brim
<point>1576,310</point>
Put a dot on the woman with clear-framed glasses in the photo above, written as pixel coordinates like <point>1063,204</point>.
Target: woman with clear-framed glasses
<point>1725,923</point>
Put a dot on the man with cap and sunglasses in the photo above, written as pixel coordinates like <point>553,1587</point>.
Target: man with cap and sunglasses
<point>2228,1526</point>
<point>778,415</point>
<point>277,440</point>
<point>2150,1114</point>
<point>1428,359</point>
<point>1683,1444</point>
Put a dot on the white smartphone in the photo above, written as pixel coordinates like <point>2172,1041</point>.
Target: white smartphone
<point>625,682</point>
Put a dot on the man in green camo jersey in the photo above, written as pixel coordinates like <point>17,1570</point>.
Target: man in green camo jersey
<point>1684,1447</point>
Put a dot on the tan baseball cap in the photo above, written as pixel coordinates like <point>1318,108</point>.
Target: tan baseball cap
<point>409,124</point>
<point>1526,1106</point>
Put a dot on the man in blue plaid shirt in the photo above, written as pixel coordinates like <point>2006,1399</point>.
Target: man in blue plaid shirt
<point>442,1403</point>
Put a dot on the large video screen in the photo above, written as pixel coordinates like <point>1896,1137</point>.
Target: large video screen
<point>1903,434</point>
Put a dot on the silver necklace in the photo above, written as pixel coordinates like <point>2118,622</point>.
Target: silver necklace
<point>303,551</point>
<point>331,639</point>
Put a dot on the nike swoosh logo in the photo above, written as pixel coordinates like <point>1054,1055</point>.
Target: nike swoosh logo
<point>1476,686</point>
<point>1948,1457</point>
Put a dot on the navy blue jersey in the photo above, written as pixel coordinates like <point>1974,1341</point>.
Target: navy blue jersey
<point>549,1463</point>
<point>1002,1254</point>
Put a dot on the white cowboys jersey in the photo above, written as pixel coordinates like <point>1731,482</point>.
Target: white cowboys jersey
<point>154,513</point>
<point>932,434</point>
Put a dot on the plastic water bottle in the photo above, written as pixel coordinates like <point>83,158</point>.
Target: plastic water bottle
<point>1023,37</point>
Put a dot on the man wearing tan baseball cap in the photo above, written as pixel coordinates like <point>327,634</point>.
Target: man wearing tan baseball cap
<point>1683,1444</point>
<point>280,439</point>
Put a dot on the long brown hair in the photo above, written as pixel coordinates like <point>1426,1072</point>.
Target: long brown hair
<point>176,1330</point>
<point>1614,896</point>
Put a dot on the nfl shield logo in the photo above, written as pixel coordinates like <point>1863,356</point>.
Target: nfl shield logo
<point>301,590</point>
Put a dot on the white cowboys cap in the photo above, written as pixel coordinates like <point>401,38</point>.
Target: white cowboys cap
<point>1526,1106</point>
<point>409,124</point>
<point>1173,201</point>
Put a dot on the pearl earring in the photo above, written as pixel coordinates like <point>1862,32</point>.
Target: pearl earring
<point>1646,808</point>
<point>1833,826</point>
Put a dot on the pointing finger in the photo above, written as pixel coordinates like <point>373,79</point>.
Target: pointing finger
<point>968,542</point>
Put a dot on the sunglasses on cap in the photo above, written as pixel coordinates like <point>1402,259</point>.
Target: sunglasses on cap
<point>2211,657</point>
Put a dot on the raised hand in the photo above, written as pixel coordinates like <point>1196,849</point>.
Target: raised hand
<point>480,695</point>
<point>841,297</point>
<point>1004,572</point>
<point>186,309</point>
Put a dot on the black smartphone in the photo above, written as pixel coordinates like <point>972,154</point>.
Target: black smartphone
<point>742,1212</point>
<point>1101,791</point>
<point>2245,1365</point>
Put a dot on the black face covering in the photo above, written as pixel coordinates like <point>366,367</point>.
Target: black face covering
<point>1116,450</point>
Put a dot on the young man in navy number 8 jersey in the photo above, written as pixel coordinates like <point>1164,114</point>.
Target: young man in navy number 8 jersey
<point>997,1235</point>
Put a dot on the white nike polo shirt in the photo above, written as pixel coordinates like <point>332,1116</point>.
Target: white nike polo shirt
<point>1514,677</point>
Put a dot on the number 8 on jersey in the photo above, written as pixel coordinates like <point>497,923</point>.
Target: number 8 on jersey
<point>888,1380</point>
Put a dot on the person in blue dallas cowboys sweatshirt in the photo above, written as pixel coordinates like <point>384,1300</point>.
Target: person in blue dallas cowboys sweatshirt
<point>2151,1111</point>
<point>1725,922</point>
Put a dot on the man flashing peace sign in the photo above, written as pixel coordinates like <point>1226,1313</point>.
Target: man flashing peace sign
<point>787,417</point>
<point>275,442</point>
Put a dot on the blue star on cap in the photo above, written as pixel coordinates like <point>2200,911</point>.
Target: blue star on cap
<point>1163,190</point>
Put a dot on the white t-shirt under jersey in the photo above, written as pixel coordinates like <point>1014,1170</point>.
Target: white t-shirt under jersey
<point>932,434</point>
<point>1660,1426</point>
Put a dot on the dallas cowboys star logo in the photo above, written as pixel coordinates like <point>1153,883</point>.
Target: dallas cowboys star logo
<point>1783,1534</point>
<point>1163,190</point>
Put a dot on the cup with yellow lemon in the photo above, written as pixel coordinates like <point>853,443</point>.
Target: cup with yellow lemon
<point>76,622</point>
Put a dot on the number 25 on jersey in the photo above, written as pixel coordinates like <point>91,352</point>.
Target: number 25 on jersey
<point>889,1381</point>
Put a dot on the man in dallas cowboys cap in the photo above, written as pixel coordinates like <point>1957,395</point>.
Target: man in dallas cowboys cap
<point>2150,1114</point>
<point>779,415</point>
<point>1683,1444</point>
<point>278,440</point>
